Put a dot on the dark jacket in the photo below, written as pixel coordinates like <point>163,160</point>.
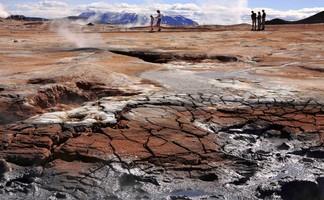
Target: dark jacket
<point>259,17</point>
<point>264,15</point>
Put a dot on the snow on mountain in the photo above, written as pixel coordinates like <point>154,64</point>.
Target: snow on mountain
<point>124,18</point>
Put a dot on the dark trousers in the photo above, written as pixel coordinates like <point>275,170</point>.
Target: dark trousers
<point>259,25</point>
<point>263,24</point>
<point>254,25</point>
<point>158,24</point>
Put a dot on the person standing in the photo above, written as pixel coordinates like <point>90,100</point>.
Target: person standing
<point>159,20</point>
<point>253,18</point>
<point>264,15</point>
<point>152,22</point>
<point>259,21</point>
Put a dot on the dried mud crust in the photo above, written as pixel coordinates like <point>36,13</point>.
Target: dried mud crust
<point>171,146</point>
<point>244,138</point>
<point>52,96</point>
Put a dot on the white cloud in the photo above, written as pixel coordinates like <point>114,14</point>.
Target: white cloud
<point>204,12</point>
<point>222,11</point>
<point>45,8</point>
<point>208,11</point>
<point>3,12</point>
<point>292,14</point>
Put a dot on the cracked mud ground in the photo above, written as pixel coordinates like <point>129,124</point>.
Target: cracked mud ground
<point>136,119</point>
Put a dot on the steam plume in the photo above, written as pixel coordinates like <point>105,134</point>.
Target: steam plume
<point>222,11</point>
<point>3,12</point>
<point>72,32</point>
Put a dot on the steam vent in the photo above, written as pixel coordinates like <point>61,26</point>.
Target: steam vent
<point>196,113</point>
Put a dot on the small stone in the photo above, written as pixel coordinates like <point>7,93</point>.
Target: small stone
<point>316,152</point>
<point>283,146</point>
<point>60,195</point>
<point>209,177</point>
<point>273,133</point>
<point>308,160</point>
<point>4,167</point>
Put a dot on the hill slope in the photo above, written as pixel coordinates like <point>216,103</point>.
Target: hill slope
<point>24,18</point>
<point>315,19</point>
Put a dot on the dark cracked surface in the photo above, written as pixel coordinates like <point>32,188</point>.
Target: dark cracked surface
<point>172,146</point>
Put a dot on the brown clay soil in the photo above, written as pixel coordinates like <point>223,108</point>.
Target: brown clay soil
<point>212,112</point>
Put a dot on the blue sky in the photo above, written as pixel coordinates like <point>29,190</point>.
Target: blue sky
<point>276,4</point>
<point>203,11</point>
<point>286,4</point>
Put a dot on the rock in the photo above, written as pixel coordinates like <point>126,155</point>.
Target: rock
<point>267,191</point>
<point>42,81</point>
<point>60,195</point>
<point>4,168</point>
<point>284,146</point>
<point>26,156</point>
<point>87,148</point>
<point>316,152</point>
<point>56,94</point>
<point>209,177</point>
<point>300,190</point>
<point>273,133</point>
<point>179,198</point>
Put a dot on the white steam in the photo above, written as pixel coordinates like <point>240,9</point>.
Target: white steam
<point>3,12</point>
<point>72,32</point>
<point>222,11</point>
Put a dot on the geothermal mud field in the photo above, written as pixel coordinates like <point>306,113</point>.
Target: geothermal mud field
<point>210,113</point>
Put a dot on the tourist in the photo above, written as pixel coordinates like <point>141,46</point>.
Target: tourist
<point>152,22</point>
<point>259,21</point>
<point>264,15</point>
<point>254,18</point>
<point>159,19</point>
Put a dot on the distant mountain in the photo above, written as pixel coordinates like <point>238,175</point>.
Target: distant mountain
<point>178,21</point>
<point>24,18</point>
<point>277,21</point>
<point>124,18</point>
<point>315,19</point>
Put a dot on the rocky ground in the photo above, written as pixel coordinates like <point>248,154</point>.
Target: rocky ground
<point>113,113</point>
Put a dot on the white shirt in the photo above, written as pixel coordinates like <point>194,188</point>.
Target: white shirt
<point>159,16</point>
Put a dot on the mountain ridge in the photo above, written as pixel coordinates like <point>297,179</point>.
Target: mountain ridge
<point>116,18</point>
<point>24,18</point>
<point>314,19</point>
<point>126,18</point>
